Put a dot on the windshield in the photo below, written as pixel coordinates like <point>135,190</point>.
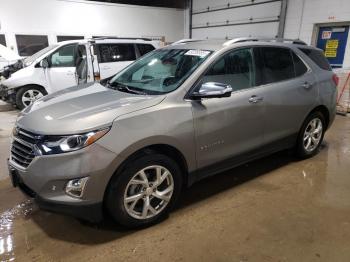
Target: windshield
<point>32,58</point>
<point>160,71</point>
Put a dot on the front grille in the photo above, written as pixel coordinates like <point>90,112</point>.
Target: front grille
<point>23,146</point>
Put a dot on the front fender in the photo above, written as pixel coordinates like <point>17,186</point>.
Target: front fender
<point>163,124</point>
<point>24,77</point>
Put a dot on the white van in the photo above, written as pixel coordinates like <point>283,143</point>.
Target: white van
<point>7,57</point>
<point>67,64</point>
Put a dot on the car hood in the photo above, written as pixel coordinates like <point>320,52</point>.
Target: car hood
<point>80,109</point>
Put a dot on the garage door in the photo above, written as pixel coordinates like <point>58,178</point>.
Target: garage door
<point>230,19</point>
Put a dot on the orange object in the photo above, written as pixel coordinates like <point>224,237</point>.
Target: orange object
<point>343,88</point>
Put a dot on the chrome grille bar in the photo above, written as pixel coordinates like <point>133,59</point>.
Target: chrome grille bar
<point>22,150</point>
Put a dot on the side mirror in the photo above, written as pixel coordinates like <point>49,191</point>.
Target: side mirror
<point>212,90</point>
<point>44,63</point>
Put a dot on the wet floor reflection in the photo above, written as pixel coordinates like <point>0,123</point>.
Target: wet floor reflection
<point>7,219</point>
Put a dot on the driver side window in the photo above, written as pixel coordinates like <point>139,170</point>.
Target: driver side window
<point>63,57</point>
<point>235,68</point>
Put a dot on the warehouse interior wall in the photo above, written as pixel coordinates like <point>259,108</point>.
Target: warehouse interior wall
<point>257,18</point>
<point>304,17</point>
<point>87,18</point>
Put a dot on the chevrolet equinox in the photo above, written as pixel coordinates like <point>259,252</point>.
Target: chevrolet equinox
<point>129,145</point>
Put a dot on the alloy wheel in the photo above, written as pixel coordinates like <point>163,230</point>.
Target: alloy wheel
<point>30,96</point>
<point>313,134</point>
<point>148,192</point>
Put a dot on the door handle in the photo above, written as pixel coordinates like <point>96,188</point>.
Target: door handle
<point>307,85</point>
<point>106,68</point>
<point>70,73</point>
<point>255,99</point>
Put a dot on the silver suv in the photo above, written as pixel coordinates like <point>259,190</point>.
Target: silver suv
<point>129,145</point>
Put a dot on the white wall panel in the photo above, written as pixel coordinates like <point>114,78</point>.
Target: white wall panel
<point>203,4</point>
<point>271,10</point>
<point>263,30</point>
<point>254,13</point>
<point>87,18</point>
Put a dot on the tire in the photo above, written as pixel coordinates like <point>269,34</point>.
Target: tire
<point>315,139</point>
<point>133,214</point>
<point>29,94</point>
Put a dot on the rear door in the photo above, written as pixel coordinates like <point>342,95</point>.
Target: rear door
<point>289,91</point>
<point>61,72</point>
<point>228,127</point>
<point>113,57</point>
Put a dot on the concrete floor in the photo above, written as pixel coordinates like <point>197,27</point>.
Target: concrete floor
<point>274,209</point>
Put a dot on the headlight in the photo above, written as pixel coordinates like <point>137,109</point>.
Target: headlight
<point>63,144</point>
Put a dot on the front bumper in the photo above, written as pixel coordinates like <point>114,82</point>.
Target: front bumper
<point>46,177</point>
<point>7,94</point>
<point>89,212</point>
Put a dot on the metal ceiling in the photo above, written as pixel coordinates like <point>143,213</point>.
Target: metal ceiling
<point>161,3</point>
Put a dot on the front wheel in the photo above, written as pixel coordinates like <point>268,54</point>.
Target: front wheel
<point>145,191</point>
<point>311,135</point>
<point>26,96</point>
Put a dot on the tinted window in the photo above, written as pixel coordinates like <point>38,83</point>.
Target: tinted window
<point>61,38</point>
<point>116,52</point>
<point>318,57</point>
<point>30,44</point>
<point>159,72</point>
<point>145,48</point>
<point>277,64</point>
<point>2,40</point>
<point>300,67</point>
<point>63,57</point>
<point>235,68</point>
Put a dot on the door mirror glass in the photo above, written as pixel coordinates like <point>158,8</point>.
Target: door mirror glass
<point>44,63</point>
<point>213,90</point>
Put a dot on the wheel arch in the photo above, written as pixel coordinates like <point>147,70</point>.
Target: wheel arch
<point>325,112</point>
<point>165,149</point>
<point>32,85</point>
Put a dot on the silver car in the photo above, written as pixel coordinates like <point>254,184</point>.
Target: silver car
<point>130,144</point>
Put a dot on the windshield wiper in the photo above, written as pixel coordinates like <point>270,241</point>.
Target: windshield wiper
<point>124,88</point>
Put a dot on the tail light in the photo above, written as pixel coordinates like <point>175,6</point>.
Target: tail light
<point>335,79</point>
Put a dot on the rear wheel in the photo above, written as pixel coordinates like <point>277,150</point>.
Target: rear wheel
<point>27,95</point>
<point>311,135</point>
<point>145,191</point>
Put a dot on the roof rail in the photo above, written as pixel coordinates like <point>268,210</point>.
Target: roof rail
<point>183,41</point>
<point>250,39</point>
<point>121,38</point>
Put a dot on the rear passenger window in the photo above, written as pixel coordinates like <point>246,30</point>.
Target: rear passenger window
<point>145,48</point>
<point>235,68</point>
<point>109,53</point>
<point>317,57</point>
<point>300,67</point>
<point>277,64</point>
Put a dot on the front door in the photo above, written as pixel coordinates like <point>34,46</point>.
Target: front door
<point>228,127</point>
<point>333,40</point>
<point>61,72</point>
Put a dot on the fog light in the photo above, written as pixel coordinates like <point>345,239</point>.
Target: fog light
<point>75,187</point>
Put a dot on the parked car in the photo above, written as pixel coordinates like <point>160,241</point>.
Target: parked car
<point>7,58</point>
<point>176,115</point>
<point>67,64</point>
